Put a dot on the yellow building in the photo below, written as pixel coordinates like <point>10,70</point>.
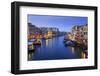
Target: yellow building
<point>50,34</point>
<point>71,37</point>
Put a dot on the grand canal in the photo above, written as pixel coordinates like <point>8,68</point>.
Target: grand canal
<point>52,49</point>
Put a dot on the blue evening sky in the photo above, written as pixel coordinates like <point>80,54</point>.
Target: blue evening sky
<point>64,23</point>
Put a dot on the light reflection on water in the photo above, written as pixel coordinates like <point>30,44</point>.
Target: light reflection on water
<point>54,48</point>
<point>47,42</point>
<point>73,50</point>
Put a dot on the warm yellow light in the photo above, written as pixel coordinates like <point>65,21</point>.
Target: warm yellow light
<point>83,55</point>
<point>47,41</point>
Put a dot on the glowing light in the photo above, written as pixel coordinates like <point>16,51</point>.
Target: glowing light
<point>73,50</point>
<point>83,55</point>
<point>47,41</point>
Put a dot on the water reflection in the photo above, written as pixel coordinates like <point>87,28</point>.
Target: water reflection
<point>83,55</point>
<point>47,42</point>
<point>55,49</point>
<point>30,55</point>
<point>73,50</point>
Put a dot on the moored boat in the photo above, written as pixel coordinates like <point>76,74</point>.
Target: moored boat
<point>70,43</point>
<point>31,47</point>
<point>37,42</point>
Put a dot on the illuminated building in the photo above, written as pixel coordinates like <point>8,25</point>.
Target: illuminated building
<point>80,33</point>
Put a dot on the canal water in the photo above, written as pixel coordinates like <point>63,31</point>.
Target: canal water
<point>52,49</point>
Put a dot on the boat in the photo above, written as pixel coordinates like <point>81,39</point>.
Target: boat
<point>37,42</point>
<point>65,40</point>
<point>31,47</point>
<point>32,40</point>
<point>70,43</point>
<point>84,47</point>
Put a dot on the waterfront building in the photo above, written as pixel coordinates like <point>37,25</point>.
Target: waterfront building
<point>80,33</point>
<point>32,29</point>
<point>49,31</point>
<point>40,32</point>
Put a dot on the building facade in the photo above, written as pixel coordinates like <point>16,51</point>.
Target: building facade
<point>80,33</point>
<point>40,32</point>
